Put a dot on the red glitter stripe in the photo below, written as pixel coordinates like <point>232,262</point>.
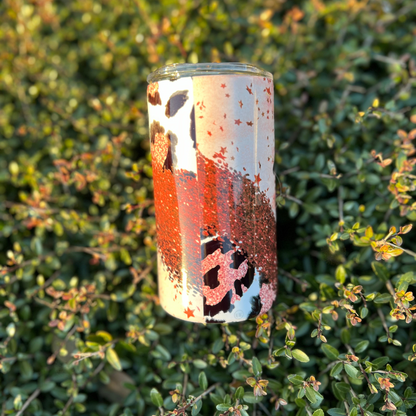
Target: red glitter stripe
<point>220,202</point>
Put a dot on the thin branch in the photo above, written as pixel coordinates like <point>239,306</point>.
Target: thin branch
<point>290,170</point>
<point>28,401</point>
<point>68,335</point>
<point>185,383</point>
<point>383,320</point>
<point>411,253</point>
<point>303,283</point>
<point>264,408</point>
<point>46,284</point>
<point>340,205</point>
<point>292,198</point>
<point>390,288</point>
<point>351,351</point>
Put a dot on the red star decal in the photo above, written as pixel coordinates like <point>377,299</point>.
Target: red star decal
<point>223,150</point>
<point>223,85</point>
<point>189,312</point>
<point>249,90</point>
<point>249,123</point>
<point>209,133</point>
<point>241,104</point>
<point>219,155</point>
<point>227,95</point>
<point>238,122</point>
<point>268,91</point>
<point>257,179</point>
<point>221,128</point>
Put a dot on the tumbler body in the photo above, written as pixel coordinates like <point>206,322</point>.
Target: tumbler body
<point>212,145</point>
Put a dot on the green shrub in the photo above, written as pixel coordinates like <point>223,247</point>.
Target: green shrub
<point>81,330</point>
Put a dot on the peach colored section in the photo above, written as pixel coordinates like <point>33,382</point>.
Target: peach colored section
<point>235,124</point>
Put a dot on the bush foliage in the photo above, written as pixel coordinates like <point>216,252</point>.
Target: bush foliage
<point>81,330</point>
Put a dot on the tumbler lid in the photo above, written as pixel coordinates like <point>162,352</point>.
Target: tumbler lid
<point>175,71</point>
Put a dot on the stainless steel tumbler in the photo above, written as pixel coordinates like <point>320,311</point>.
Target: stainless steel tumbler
<point>212,144</point>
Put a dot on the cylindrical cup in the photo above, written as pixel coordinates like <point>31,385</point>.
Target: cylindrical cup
<point>212,145</point>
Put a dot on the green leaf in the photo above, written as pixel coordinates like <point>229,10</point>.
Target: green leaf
<point>351,370</point>
<point>380,270</point>
<point>342,389</point>
<point>156,398</point>
<point>340,274</point>
<point>196,408</point>
<point>257,369</point>
<point>217,346</point>
<point>202,380</point>
<point>300,356</point>
<point>239,393</point>
<point>295,379</point>
<point>26,369</point>
<point>250,398</point>
<point>47,386</point>
<point>223,407</point>
<point>380,362</point>
<point>113,359</point>
<point>353,412</point>
<point>335,411</point>
<point>345,336</point>
<point>361,346</point>
<point>313,209</point>
<point>198,363</point>
<point>318,412</point>
<point>336,369</point>
<point>382,298</point>
<point>310,394</point>
<point>363,312</point>
<point>331,352</point>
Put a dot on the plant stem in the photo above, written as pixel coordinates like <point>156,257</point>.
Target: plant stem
<point>28,401</point>
<point>383,320</point>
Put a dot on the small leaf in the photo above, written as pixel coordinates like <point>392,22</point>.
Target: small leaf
<point>295,379</point>
<point>156,397</point>
<point>310,394</point>
<point>202,380</point>
<point>335,411</point>
<point>336,369</point>
<point>196,408</point>
<point>257,369</point>
<point>331,352</point>
<point>369,232</point>
<point>113,359</point>
<point>239,393</point>
<point>351,370</point>
<point>405,229</point>
<point>340,274</point>
<point>318,412</point>
<point>198,363</point>
<point>300,356</point>
<point>381,271</point>
<point>361,346</point>
<point>218,346</point>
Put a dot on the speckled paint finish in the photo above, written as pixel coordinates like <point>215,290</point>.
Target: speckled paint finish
<point>212,143</point>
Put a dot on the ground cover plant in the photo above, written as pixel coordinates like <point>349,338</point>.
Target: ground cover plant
<point>81,330</point>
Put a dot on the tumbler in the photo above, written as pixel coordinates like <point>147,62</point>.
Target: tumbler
<point>212,145</point>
